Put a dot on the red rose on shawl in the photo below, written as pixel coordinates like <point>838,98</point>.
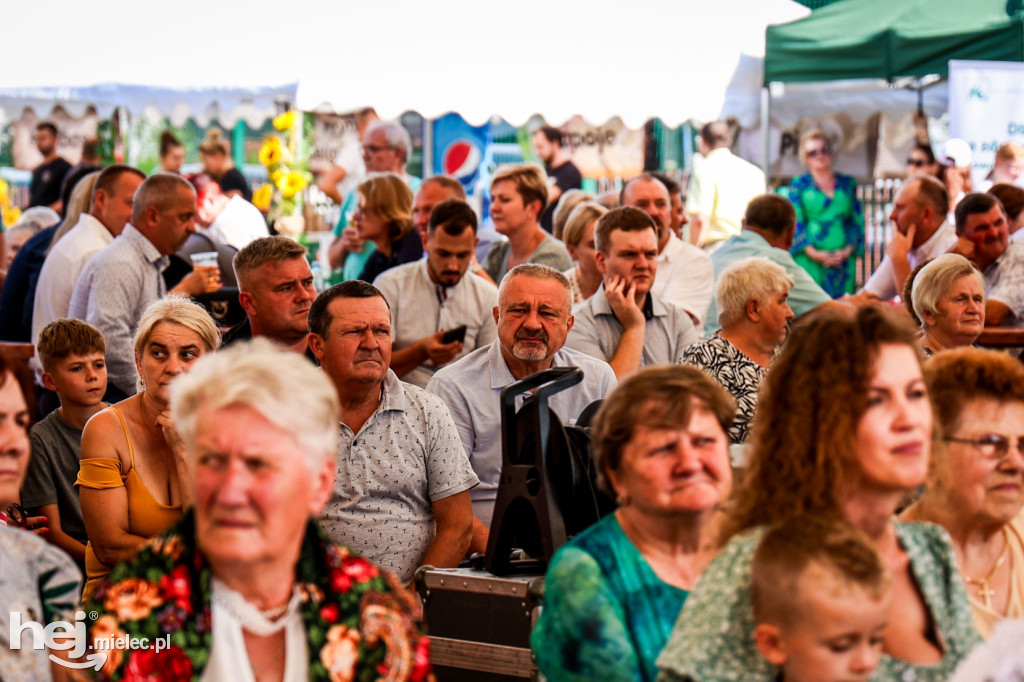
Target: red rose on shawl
<point>147,665</point>
<point>177,588</point>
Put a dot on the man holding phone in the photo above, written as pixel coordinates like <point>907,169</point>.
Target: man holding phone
<point>437,313</point>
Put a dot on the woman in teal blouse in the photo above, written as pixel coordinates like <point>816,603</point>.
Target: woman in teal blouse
<point>613,593</point>
<point>829,219</point>
<point>843,428</point>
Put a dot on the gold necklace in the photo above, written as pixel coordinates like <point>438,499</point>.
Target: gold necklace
<point>984,590</point>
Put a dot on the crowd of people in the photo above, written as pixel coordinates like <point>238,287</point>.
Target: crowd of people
<point>811,482</point>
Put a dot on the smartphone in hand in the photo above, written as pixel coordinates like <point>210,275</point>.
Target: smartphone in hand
<point>456,334</point>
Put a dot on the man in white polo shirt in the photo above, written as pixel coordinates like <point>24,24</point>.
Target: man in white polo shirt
<point>433,297</point>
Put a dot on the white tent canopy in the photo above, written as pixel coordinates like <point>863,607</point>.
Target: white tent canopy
<point>671,59</point>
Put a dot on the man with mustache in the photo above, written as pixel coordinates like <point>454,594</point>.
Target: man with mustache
<point>984,238</point>
<point>624,322</point>
<point>434,295</point>
<point>686,276</point>
<point>401,495</point>
<point>533,316</point>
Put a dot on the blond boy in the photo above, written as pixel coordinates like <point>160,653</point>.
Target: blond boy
<point>71,353</point>
<point>821,598</point>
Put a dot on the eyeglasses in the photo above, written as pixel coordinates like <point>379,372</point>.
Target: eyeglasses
<point>916,163</point>
<point>820,151</point>
<point>376,149</point>
<point>993,446</point>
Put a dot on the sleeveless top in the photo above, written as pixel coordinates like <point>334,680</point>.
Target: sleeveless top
<point>146,516</point>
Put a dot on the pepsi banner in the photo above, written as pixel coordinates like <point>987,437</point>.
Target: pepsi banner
<point>459,149</point>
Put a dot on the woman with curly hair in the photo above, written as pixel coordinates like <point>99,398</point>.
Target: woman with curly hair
<point>976,485</point>
<point>843,429</point>
<point>384,217</point>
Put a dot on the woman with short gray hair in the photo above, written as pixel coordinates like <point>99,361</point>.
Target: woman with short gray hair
<point>752,309</point>
<point>949,298</point>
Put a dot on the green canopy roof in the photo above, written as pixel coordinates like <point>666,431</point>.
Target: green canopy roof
<point>892,39</point>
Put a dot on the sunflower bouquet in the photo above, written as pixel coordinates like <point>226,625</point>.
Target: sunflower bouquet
<point>281,153</point>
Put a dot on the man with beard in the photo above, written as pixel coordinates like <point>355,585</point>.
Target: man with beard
<point>533,316</point>
<point>563,174</point>
<point>401,493</point>
<point>984,234</point>
<point>47,177</point>
<point>624,323</point>
<point>686,276</point>
<point>433,297</point>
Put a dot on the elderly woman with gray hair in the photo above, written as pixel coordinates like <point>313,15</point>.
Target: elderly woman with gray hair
<point>752,309</point>
<point>948,295</point>
<point>247,586</point>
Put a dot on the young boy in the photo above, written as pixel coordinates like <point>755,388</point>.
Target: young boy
<point>71,353</point>
<point>821,599</point>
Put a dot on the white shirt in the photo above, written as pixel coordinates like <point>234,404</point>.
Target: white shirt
<point>61,269</point>
<point>685,277</point>
<point>229,657</point>
<point>350,157</point>
<point>883,280</point>
<point>416,311</point>
<point>238,224</point>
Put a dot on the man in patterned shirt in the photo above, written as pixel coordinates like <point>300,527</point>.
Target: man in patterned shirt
<point>984,234</point>
<point>401,497</point>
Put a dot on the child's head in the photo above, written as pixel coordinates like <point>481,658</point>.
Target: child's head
<point>821,597</point>
<point>71,353</point>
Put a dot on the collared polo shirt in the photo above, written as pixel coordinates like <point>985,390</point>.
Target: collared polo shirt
<point>471,388</point>
<point>404,458</point>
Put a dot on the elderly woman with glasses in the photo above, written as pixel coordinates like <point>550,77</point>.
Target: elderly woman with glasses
<point>975,488</point>
<point>247,586</point>
<point>948,297</point>
<point>829,221</point>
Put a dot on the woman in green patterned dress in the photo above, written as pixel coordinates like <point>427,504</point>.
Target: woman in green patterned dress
<point>613,593</point>
<point>829,220</point>
<point>843,428</point>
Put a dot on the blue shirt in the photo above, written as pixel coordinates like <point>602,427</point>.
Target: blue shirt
<point>19,292</point>
<point>805,295</point>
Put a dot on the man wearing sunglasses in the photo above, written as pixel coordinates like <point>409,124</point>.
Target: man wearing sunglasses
<point>922,233</point>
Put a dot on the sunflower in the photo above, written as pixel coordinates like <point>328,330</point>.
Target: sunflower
<point>271,151</point>
<point>262,196</point>
<point>11,215</point>
<point>285,121</point>
<point>291,184</point>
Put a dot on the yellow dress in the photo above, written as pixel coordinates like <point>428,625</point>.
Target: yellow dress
<point>146,516</point>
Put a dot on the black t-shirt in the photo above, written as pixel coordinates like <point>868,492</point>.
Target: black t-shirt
<point>234,180</point>
<point>47,179</point>
<point>567,176</point>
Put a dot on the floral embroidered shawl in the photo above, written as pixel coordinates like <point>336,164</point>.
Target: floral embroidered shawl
<point>361,623</point>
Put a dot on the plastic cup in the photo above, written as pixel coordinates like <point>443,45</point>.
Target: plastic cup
<point>204,258</point>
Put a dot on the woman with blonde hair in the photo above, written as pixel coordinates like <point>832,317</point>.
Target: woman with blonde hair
<point>829,220</point>
<point>1007,167</point>
<point>133,481</point>
<point>843,428</point>
<point>384,217</point>
<point>216,155</point>
<point>579,242</point>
